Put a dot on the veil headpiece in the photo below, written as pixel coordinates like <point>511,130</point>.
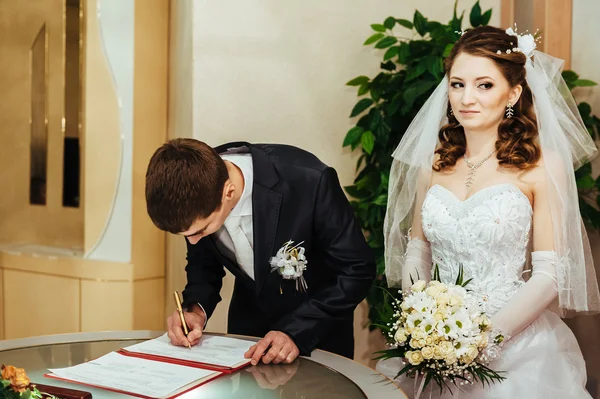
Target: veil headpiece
<point>565,145</point>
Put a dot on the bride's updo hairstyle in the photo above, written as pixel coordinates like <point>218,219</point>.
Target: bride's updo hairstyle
<point>517,145</point>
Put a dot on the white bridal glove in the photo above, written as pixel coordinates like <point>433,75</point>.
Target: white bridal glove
<point>526,305</point>
<point>417,263</point>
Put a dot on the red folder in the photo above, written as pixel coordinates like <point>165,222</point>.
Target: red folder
<point>189,363</point>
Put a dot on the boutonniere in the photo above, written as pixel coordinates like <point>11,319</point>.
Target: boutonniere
<point>290,263</point>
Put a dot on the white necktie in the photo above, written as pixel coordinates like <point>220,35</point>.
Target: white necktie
<point>244,254</point>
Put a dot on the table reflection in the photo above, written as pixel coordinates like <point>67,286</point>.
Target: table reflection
<point>303,379</point>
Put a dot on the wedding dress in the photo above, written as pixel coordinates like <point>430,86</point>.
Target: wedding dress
<point>488,234</point>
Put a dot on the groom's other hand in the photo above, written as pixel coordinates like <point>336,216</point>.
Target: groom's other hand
<point>196,319</point>
<point>282,349</point>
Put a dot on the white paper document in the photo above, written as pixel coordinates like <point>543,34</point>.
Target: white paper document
<point>214,350</point>
<point>143,377</point>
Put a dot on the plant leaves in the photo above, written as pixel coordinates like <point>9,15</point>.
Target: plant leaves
<point>584,83</point>
<point>485,19</point>
<point>353,191</point>
<point>391,53</point>
<point>420,23</point>
<point>381,200</point>
<point>363,89</point>
<point>386,42</point>
<point>475,17</point>
<point>378,27</point>
<point>368,141</point>
<point>389,22</point>
<point>570,76</point>
<point>361,106</point>
<point>586,182</point>
<point>406,23</point>
<point>416,71</point>
<point>373,38</point>
<point>584,109</point>
<point>403,53</point>
<point>359,80</point>
<point>448,49</point>
<point>416,90</point>
<point>353,136</point>
<point>388,66</point>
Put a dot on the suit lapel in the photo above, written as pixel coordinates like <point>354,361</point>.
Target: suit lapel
<point>265,214</point>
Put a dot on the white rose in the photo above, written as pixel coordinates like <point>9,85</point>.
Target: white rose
<point>418,334</point>
<point>446,348</point>
<point>418,286</point>
<point>415,358</point>
<point>415,343</point>
<point>451,358</point>
<point>400,337</point>
<point>432,291</point>
<point>442,299</point>
<point>429,340</point>
<point>456,300</point>
<point>427,352</point>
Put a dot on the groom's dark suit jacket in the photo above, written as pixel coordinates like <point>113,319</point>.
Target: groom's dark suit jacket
<point>294,197</point>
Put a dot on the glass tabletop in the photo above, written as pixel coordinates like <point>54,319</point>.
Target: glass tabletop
<point>302,379</point>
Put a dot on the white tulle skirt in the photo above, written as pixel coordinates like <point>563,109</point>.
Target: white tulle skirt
<point>543,361</point>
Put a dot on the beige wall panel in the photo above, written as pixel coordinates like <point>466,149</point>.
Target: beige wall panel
<point>218,321</point>
<point>101,138</point>
<point>148,304</point>
<point>554,18</point>
<point>71,267</point>
<point>54,309</point>
<point>106,306</point>
<point>20,221</point>
<point>149,129</point>
<point>2,302</point>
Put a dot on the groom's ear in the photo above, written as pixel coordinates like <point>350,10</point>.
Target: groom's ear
<point>228,191</point>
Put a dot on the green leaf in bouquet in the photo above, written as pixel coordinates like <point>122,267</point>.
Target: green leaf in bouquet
<point>436,273</point>
<point>5,383</point>
<point>467,282</point>
<point>459,278</point>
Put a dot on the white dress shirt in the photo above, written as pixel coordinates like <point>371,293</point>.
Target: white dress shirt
<point>242,214</point>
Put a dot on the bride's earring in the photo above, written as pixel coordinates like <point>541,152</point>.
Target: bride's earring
<point>509,110</point>
<point>451,112</point>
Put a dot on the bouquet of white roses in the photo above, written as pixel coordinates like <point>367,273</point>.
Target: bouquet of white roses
<point>440,333</point>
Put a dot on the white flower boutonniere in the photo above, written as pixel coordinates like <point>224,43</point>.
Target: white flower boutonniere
<point>290,263</point>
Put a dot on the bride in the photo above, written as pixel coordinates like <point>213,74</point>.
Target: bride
<point>484,178</point>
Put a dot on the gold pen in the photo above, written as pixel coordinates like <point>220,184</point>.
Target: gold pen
<point>178,302</point>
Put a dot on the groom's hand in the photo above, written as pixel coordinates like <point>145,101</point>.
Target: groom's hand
<point>282,349</point>
<point>196,319</point>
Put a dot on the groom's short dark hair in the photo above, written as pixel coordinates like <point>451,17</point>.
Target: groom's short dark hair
<point>184,182</point>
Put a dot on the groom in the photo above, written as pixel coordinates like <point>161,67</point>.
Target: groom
<point>237,205</point>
